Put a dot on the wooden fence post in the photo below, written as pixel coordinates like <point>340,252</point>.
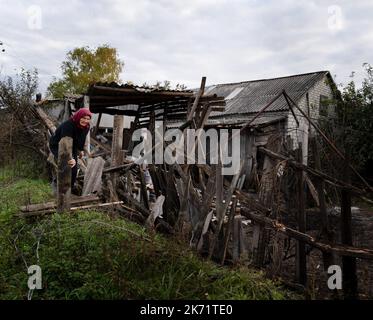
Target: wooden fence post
<point>64,174</point>
<point>301,259</point>
<point>349,279</point>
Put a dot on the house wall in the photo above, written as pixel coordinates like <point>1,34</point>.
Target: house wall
<point>310,104</point>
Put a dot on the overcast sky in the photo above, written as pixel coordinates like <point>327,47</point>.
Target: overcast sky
<point>181,41</point>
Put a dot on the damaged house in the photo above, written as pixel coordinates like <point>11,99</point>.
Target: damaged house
<point>244,100</point>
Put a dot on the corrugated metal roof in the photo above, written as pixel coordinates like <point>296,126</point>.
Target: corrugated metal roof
<point>257,93</point>
<point>137,88</point>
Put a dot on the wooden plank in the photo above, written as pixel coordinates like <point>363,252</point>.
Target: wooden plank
<point>223,209</point>
<point>204,230</point>
<point>229,227</point>
<point>239,243</point>
<point>64,174</point>
<point>144,193</point>
<point>196,100</point>
<point>116,147</point>
<point>205,205</point>
<point>93,176</point>
<point>53,205</point>
<point>155,212</point>
<point>85,207</point>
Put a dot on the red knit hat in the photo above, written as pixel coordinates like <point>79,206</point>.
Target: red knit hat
<point>80,114</point>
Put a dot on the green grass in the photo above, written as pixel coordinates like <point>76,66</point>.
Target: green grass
<point>95,255</point>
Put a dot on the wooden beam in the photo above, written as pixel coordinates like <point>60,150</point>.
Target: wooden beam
<point>349,263</point>
<point>116,147</point>
<point>328,258</point>
<point>292,233</point>
<point>196,100</point>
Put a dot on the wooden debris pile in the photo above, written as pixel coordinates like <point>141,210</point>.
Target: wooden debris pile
<point>213,212</point>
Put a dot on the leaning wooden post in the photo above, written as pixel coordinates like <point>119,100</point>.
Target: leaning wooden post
<point>64,174</point>
<point>301,259</point>
<point>116,147</point>
<point>349,279</point>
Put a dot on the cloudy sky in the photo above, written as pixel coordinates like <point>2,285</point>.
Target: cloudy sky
<point>181,41</point>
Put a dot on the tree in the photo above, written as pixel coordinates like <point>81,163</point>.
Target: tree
<point>352,130</point>
<point>17,92</point>
<point>84,66</point>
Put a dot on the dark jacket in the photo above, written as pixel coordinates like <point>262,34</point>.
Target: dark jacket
<point>68,129</point>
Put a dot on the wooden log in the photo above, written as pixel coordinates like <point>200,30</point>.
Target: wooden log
<point>45,118</point>
<point>64,174</point>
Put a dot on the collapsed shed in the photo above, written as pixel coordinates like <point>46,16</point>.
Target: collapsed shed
<point>197,200</point>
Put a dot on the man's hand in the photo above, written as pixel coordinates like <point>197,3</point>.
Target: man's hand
<point>71,163</point>
<point>81,154</point>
